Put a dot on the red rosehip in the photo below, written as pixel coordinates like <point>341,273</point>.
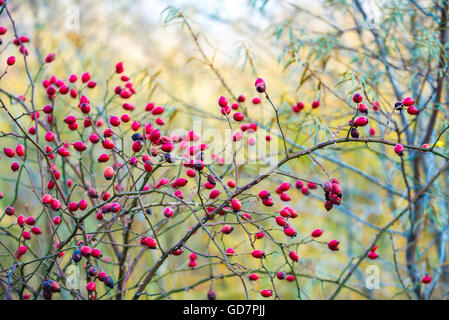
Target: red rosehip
<point>50,57</point>
<point>119,67</point>
<point>299,184</point>
<point>94,138</point>
<point>412,110</point>
<point>55,204</point>
<point>91,286</point>
<point>226,229</point>
<point>290,278</point>
<point>238,116</point>
<point>281,221</point>
<point>315,104</point>
<point>260,85</point>
<point>256,100</point>
<point>20,150</point>
<point>373,255</point>
<point>96,253</point>
<point>114,121</point>
<point>222,102</point>
<point>360,122</point>
<point>290,232</point>
<point>85,77</point>
<point>333,245</point>
<point>257,254</point>
<point>408,102</point>
<point>86,251</point>
<point>79,146</point>
<point>236,204</point>
<point>231,184</point>
<point>253,277</point>
<point>280,275</point>
<point>363,108</point>
<point>168,212</point>
<point>57,220</point>
<point>9,211</point>
<point>36,230</point>
<point>399,149</point>
<point>9,152</point>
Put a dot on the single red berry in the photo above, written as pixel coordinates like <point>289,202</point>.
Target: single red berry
<point>294,256</point>
<point>266,293</point>
<point>426,279</point>
<point>36,230</point>
<point>360,122</point>
<point>11,61</point>
<point>85,77</point>
<point>91,286</point>
<point>9,211</point>
<point>399,149</point>
<point>96,253</point>
<point>315,104</point>
<point>9,152</point>
<point>57,220</point>
<point>236,204</point>
<point>281,275</point>
<point>333,245</point>
<point>290,232</point>
<point>79,146</point>
<point>257,254</point>
<point>109,173</point>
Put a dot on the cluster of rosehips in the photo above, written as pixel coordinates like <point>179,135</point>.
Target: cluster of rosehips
<point>332,193</point>
<point>49,287</point>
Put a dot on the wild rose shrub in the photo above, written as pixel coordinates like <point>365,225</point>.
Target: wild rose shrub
<point>108,200</point>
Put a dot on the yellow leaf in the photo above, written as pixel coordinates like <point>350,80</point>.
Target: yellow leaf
<point>440,143</point>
